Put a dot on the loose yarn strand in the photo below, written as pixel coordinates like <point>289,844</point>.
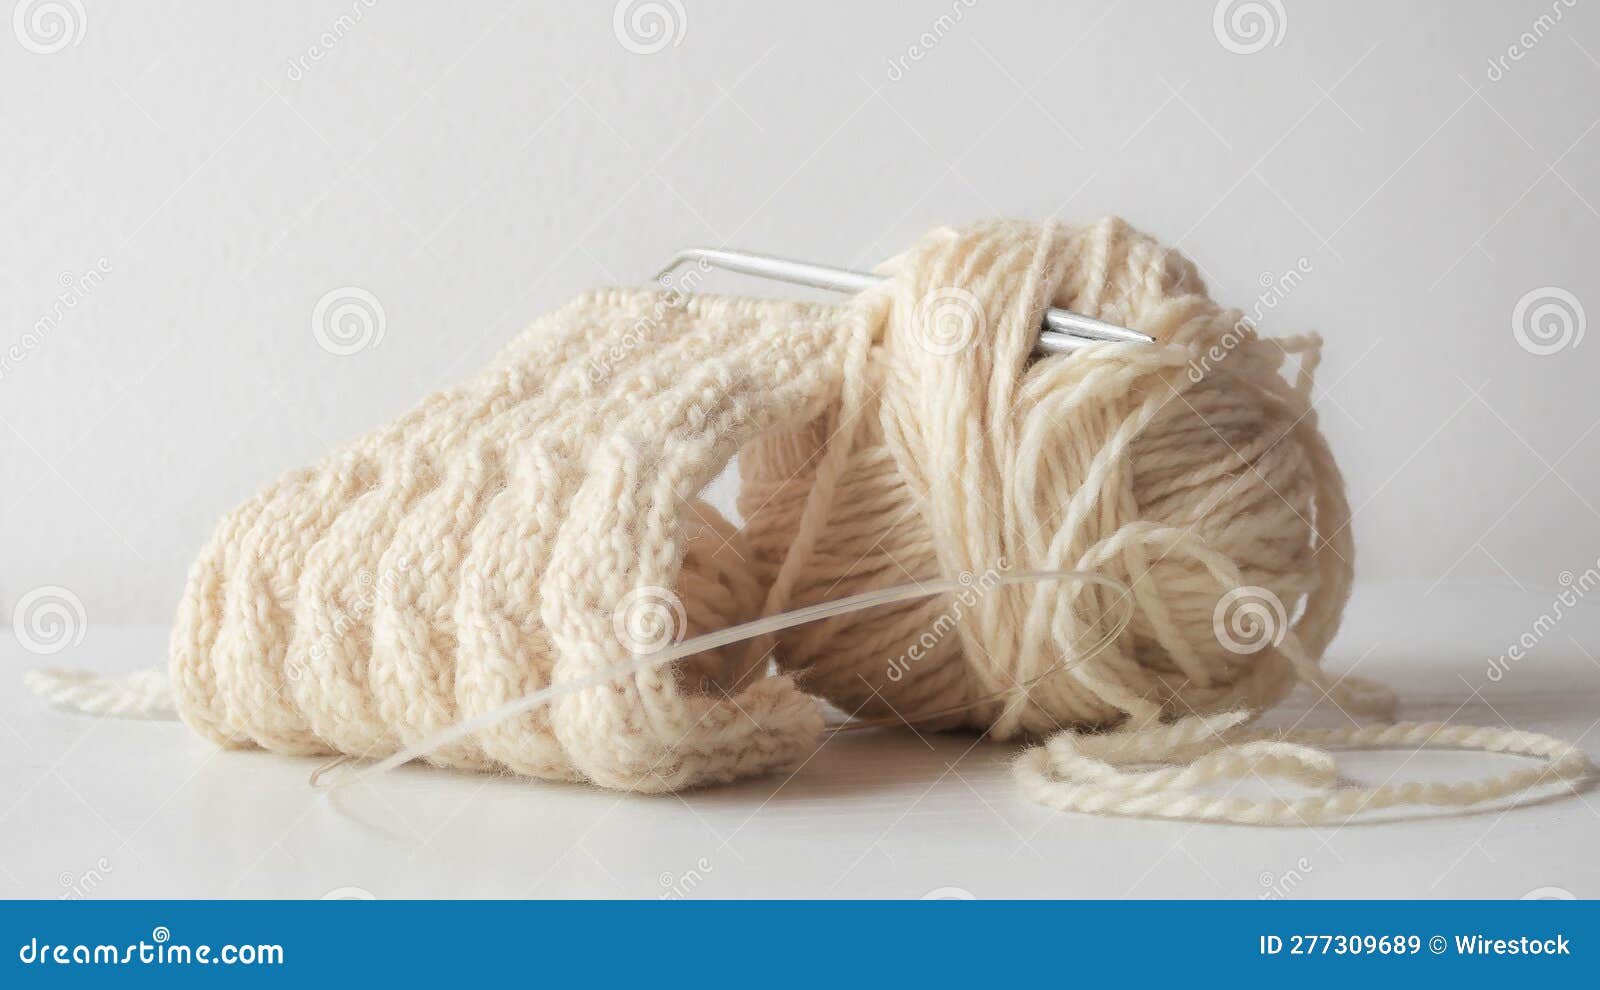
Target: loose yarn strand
<point>1096,774</point>
<point>145,694</point>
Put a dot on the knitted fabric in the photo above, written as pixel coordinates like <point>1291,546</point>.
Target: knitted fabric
<point>540,525</point>
<point>478,549</point>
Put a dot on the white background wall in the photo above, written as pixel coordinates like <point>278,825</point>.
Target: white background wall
<point>472,165</point>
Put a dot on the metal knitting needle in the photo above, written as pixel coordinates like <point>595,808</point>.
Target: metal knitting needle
<point>1063,332</point>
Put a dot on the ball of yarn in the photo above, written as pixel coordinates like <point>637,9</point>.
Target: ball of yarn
<point>1201,483</point>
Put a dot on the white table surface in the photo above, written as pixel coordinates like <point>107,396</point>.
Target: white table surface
<point>112,808</point>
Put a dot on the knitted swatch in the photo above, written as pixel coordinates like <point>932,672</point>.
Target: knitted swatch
<point>540,524</point>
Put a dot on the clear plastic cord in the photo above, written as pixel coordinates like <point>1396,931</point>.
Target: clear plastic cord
<point>326,777</point>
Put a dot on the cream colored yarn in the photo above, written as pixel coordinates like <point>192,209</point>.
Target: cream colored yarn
<point>506,536</point>
<point>1112,460</point>
<point>479,549</point>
